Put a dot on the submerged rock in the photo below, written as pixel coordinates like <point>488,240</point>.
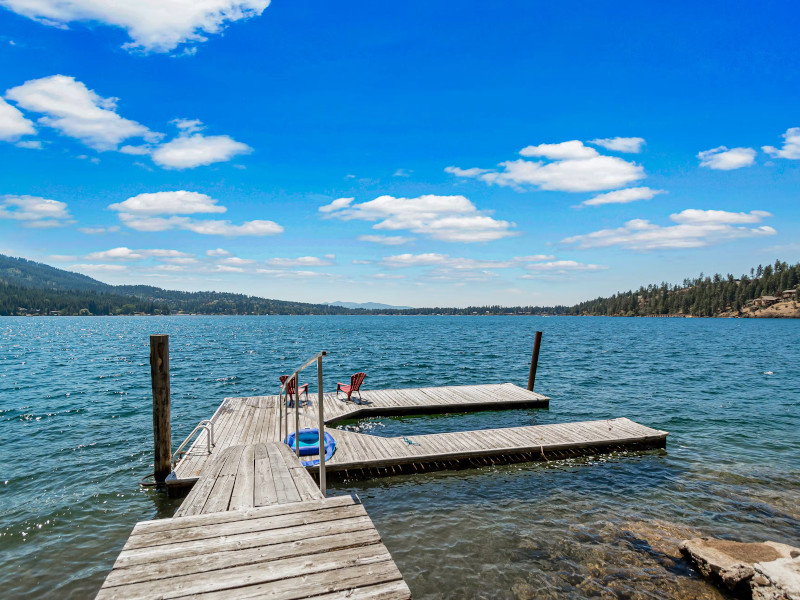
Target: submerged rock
<point>736,564</point>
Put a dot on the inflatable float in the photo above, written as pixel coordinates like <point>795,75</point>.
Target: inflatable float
<point>309,445</point>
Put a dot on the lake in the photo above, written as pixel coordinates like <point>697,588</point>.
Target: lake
<point>76,415</point>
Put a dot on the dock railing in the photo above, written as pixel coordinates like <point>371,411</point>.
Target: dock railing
<point>283,415</point>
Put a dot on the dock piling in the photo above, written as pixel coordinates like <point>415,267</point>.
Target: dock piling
<point>534,360</point>
<point>162,437</point>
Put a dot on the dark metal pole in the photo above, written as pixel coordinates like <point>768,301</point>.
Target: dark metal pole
<point>159,373</point>
<point>534,360</point>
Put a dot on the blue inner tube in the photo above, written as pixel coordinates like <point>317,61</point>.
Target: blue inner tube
<point>309,445</point>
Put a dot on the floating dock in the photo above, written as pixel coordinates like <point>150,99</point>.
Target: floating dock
<point>255,524</point>
<point>245,421</point>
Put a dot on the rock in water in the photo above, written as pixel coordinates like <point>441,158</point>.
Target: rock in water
<point>734,565</point>
<point>777,580</point>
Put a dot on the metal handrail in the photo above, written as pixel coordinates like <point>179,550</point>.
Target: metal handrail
<point>206,425</point>
<point>283,395</point>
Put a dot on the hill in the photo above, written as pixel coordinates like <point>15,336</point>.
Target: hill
<point>368,305</point>
<point>28,287</point>
<point>769,291</point>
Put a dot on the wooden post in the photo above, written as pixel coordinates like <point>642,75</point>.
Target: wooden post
<point>534,360</point>
<point>162,438</point>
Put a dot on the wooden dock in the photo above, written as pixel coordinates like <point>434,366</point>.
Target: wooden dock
<point>256,526</point>
<point>250,420</point>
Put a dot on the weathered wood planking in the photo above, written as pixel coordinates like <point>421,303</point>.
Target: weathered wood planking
<point>317,548</point>
<point>250,420</point>
<point>359,451</point>
<point>250,476</point>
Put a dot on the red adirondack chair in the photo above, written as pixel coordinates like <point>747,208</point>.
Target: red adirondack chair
<point>290,389</point>
<point>355,385</point>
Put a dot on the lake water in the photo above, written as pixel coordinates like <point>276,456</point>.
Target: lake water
<point>75,411</point>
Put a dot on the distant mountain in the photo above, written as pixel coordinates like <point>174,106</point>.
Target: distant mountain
<point>368,305</point>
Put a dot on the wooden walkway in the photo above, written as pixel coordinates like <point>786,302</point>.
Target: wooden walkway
<point>256,526</point>
<point>251,420</point>
<point>313,549</point>
<point>245,477</point>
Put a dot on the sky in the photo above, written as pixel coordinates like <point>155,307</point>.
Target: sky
<point>414,153</point>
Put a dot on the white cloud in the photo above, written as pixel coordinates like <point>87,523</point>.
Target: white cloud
<point>179,202</point>
<point>448,218</point>
<point>98,267</point>
<point>433,259</point>
<point>337,204</point>
<point>791,145</point>
<point>13,123</point>
<point>723,159</point>
<point>694,229</point>
<point>301,261</point>
<point>564,266</point>
<point>623,196</point>
<point>34,211</point>
<point>124,253</point>
<point>572,150</point>
<point>226,228</point>
<point>98,230</point>
<point>633,145</point>
<point>294,274</point>
<point>189,151</point>
<point>30,144</point>
<point>153,25</point>
<point>78,112</point>
<point>148,212</point>
<point>386,240</point>
<point>217,252</point>
<point>402,173</point>
<point>574,167</point>
<point>704,217</point>
<point>236,261</point>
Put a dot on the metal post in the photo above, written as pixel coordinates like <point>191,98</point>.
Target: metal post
<point>297,414</point>
<point>534,360</point>
<point>321,407</point>
<point>162,438</point>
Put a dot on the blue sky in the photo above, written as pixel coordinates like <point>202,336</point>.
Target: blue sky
<point>414,153</point>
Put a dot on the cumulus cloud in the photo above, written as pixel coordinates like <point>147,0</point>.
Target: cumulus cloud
<point>572,150</point>
<point>153,25</point>
<point>694,229</point>
<point>631,145</point>
<point>623,196</point>
<point>30,144</point>
<point>98,268</point>
<point>179,202</point>
<point>431,259</point>
<point>190,151</point>
<point>448,218</point>
<point>791,145</point>
<point>301,261</point>
<point>78,112</point>
<point>217,252</point>
<point>125,253</point>
<point>13,124</point>
<point>34,211</point>
<point>565,266</point>
<point>98,230</point>
<point>723,159</point>
<point>162,211</point>
<point>386,240</point>
<point>573,167</point>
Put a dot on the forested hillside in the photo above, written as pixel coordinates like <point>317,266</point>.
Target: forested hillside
<point>704,296</point>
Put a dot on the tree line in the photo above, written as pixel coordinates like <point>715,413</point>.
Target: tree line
<point>703,296</point>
